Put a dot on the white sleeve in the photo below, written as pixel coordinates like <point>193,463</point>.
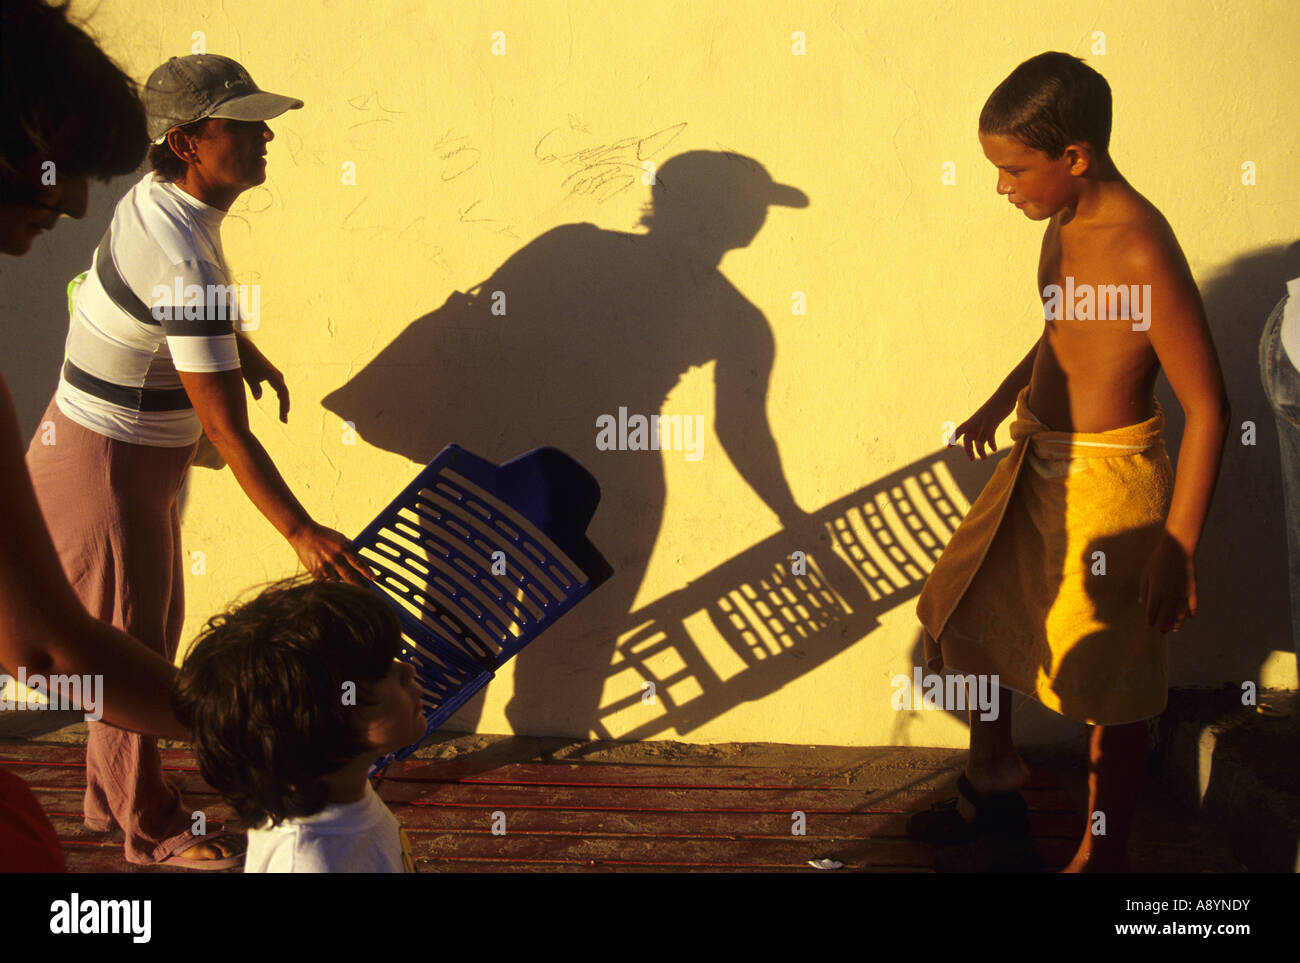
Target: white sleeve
<point>198,308</point>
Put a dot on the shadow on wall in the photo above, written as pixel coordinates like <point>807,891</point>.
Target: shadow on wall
<point>1241,560</point>
<point>789,603</point>
<point>583,323</point>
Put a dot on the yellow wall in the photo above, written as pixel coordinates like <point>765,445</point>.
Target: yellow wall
<point>920,297</point>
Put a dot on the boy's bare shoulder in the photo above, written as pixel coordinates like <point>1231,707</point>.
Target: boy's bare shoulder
<point>1138,241</point>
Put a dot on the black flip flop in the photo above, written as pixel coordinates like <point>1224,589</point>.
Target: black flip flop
<point>1002,814</point>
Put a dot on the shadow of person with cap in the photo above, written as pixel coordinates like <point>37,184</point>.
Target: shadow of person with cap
<point>593,327</point>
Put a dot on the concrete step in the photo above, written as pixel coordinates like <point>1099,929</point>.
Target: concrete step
<point>1238,768</point>
<point>1222,793</point>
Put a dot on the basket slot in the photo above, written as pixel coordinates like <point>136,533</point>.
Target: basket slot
<point>513,549</point>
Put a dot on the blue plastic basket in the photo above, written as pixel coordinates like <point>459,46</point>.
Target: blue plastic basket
<point>477,560</point>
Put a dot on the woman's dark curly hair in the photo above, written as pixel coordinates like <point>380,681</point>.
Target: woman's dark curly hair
<point>62,98</point>
<point>262,692</point>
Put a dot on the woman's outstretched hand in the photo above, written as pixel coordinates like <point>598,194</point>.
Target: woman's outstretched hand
<point>326,555</point>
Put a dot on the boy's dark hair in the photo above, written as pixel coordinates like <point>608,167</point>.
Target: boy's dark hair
<point>164,160</point>
<point>262,692</point>
<point>62,98</point>
<point>1049,102</point>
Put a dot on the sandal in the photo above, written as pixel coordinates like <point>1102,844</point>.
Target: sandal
<point>181,861</point>
<point>1002,813</point>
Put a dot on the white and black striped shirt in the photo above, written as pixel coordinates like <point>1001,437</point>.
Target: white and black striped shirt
<point>125,344</point>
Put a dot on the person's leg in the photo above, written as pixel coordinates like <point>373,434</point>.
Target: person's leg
<point>1117,757</point>
<point>109,507</point>
<point>143,535</point>
<point>993,765</point>
<point>986,827</point>
<point>175,622</point>
<point>68,468</point>
<point>995,772</point>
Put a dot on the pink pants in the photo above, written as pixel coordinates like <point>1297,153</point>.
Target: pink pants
<point>111,509</point>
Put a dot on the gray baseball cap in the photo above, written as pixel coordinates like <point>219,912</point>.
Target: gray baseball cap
<point>186,89</point>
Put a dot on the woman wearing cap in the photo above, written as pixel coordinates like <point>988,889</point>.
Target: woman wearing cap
<point>148,369</point>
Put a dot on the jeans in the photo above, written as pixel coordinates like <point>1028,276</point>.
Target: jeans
<point>1282,388</point>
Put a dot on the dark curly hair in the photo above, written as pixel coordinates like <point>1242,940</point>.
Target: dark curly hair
<point>1049,102</point>
<point>164,160</point>
<point>262,692</point>
<point>62,98</point>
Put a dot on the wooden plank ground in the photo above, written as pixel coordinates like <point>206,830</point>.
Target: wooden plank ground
<point>592,816</point>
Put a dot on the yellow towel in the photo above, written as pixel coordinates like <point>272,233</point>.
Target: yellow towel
<point>1019,591</point>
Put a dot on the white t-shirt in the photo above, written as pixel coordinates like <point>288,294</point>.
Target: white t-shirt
<point>163,241</point>
<point>359,837</point>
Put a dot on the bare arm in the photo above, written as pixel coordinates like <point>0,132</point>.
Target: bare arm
<point>1019,377</point>
<point>43,625</point>
<point>978,432</point>
<point>218,399</point>
<point>1181,338</point>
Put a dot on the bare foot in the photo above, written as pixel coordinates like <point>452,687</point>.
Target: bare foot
<point>221,848</point>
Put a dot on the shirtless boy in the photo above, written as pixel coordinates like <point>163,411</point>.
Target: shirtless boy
<point>1046,129</point>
